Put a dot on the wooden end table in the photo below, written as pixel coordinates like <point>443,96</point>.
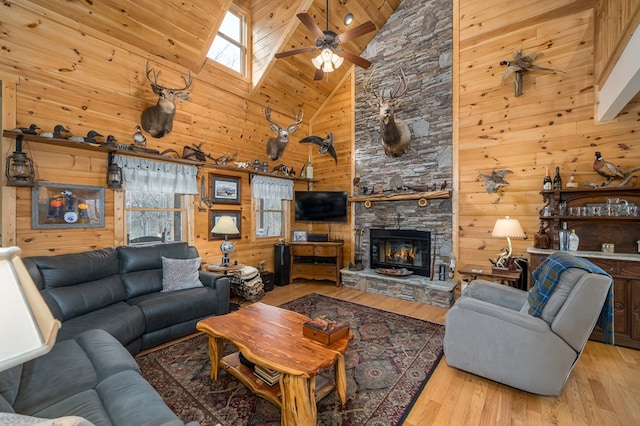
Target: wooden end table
<point>486,272</point>
<point>272,337</point>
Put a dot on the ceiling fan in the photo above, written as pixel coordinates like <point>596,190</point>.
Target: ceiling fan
<point>328,42</point>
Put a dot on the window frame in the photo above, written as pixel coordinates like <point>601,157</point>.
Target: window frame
<point>187,216</point>
<point>244,45</point>
<point>257,211</point>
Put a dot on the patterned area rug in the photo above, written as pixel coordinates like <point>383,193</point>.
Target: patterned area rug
<point>388,363</point>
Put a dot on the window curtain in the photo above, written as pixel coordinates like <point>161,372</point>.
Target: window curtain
<point>268,188</point>
<point>157,176</point>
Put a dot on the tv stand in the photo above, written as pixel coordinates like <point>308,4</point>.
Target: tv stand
<point>316,260</point>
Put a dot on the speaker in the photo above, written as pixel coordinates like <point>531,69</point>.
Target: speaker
<point>281,264</point>
<point>317,238</point>
<point>267,280</point>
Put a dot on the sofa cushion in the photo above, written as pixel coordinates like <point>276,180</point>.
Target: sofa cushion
<point>167,309</point>
<point>124,322</point>
<point>146,257</point>
<point>86,403</point>
<point>178,274</point>
<point>78,299</point>
<point>9,384</point>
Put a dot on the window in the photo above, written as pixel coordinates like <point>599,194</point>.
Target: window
<point>270,205</point>
<point>229,47</point>
<point>154,216</point>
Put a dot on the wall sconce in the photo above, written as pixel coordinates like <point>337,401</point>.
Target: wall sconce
<point>19,169</point>
<point>327,60</point>
<point>507,228</point>
<point>114,174</point>
<point>225,226</point>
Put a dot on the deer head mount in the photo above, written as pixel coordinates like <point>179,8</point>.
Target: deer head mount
<point>276,146</point>
<point>158,119</point>
<point>395,133</point>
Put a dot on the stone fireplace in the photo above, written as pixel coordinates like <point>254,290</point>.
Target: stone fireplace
<point>419,45</point>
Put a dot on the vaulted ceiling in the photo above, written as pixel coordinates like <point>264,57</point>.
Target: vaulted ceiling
<point>181,31</point>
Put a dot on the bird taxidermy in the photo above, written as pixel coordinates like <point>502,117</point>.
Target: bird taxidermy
<point>31,130</point>
<point>276,146</point>
<point>57,132</point>
<point>325,144</point>
<point>158,119</point>
<point>494,182</point>
<point>90,138</point>
<point>612,172</point>
<point>519,65</point>
<point>395,134</point>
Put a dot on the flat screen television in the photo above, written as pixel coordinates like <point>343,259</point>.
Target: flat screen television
<point>321,206</point>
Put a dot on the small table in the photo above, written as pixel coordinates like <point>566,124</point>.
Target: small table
<point>272,337</point>
<point>224,269</point>
<point>479,271</point>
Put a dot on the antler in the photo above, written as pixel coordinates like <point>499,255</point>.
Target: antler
<point>299,115</point>
<point>367,85</point>
<point>187,83</point>
<point>267,114</point>
<point>403,84</point>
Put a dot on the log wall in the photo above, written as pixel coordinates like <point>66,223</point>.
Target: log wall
<point>551,124</point>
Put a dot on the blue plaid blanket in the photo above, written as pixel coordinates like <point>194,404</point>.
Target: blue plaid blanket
<point>547,276</point>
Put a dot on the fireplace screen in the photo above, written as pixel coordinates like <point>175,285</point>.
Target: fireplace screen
<point>401,248</point>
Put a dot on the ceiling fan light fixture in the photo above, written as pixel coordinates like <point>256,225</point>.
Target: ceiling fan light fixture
<point>317,61</point>
<point>348,19</point>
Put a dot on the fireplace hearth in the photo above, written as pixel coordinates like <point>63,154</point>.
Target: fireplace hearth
<point>401,248</point>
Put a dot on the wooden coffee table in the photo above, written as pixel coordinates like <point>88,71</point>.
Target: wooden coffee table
<point>272,337</point>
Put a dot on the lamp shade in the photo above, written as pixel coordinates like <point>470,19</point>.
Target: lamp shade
<point>226,226</point>
<point>27,326</point>
<point>507,228</point>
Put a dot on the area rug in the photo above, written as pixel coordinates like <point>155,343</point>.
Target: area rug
<point>388,363</point>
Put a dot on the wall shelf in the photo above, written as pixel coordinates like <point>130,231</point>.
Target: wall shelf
<point>422,197</point>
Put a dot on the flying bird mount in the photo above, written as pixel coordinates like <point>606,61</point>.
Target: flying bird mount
<point>519,65</point>
<point>328,42</point>
<point>325,144</point>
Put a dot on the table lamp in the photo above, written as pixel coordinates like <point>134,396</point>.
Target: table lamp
<point>27,327</point>
<point>226,226</point>
<point>507,228</point>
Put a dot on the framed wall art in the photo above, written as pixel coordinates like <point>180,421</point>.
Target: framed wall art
<point>214,217</point>
<point>225,189</point>
<point>59,205</point>
<point>299,236</point>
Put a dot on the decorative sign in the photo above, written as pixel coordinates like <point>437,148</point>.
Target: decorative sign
<point>55,205</point>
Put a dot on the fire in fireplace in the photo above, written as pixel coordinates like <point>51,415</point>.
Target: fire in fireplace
<point>401,248</point>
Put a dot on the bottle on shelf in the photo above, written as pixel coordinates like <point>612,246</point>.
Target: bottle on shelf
<point>574,240</point>
<point>557,180</point>
<point>309,169</point>
<point>563,237</point>
<point>546,183</point>
<point>541,240</point>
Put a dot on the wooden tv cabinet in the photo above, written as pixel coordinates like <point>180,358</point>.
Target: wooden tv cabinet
<point>316,261</point>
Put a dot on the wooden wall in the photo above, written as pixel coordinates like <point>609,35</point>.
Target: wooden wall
<point>66,76</point>
<point>551,124</point>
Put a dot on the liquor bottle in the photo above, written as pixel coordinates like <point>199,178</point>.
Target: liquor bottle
<point>574,240</point>
<point>309,169</point>
<point>546,183</point>
<point>563,237</point>
<point>541,239</point>
<point>557,180</point>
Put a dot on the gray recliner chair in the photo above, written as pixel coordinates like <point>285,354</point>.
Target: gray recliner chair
<point>489,331</point>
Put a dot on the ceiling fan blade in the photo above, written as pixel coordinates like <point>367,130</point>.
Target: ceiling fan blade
<point>352,57</point>
<point>356,32</point>
<point>295,51</point>
<point>318,75</point>
<point>308,22</point>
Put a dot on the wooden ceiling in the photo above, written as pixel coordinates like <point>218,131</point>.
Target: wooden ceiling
<point>181,31</point>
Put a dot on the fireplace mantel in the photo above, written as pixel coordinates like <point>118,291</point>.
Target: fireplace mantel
<point>422,197</point>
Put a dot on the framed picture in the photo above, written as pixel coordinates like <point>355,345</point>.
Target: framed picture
<point>214,217</point>
<point>299,236</point>
<point>58,205</point>
<point>225,189</point>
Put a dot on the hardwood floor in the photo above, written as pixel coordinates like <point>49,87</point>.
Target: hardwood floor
<point>603,389</point>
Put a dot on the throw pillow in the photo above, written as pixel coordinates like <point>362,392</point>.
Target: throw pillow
<point>178,274</point>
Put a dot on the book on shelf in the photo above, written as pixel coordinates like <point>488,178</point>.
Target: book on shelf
<point>267,375</point>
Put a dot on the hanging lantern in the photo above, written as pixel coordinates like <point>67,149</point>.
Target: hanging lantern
<point>19,169</point>
<point>114,174</point>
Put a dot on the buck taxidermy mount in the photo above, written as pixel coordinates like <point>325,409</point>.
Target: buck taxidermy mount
<point>157,120</point>
<point>276,146</point>
<point>395,133</point>
<point>328,42</point>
